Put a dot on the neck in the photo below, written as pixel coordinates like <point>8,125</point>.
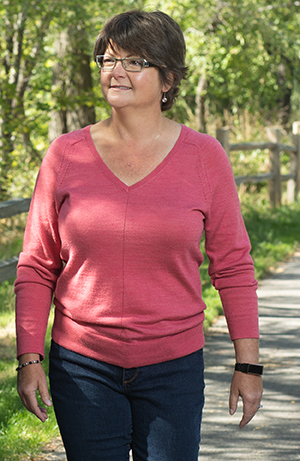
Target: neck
<point>136,125</point>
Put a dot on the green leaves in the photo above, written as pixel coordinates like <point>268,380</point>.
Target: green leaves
<point>241,55</point>
<point>248,51</point>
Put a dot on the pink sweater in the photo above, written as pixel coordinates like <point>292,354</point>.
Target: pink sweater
<point>123,262</point>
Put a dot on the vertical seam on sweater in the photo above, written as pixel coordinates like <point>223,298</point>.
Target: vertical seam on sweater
<point>200,158</point>
<point>123,263</point>
<point>59,181</point>
<point>54,236</point>
<point>60,172</point>
<point>63,167</point>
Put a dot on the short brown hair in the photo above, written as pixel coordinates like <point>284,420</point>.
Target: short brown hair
<point>154,36</point>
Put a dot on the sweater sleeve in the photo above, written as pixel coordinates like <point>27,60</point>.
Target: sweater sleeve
<point>227,245</point>
<point>39,263</point>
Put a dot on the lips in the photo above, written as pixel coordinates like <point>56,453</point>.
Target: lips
<point>116,87</point>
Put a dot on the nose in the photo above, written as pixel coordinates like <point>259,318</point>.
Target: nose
<point>119,69</point>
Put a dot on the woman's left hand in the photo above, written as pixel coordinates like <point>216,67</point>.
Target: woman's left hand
<point>249,387</point>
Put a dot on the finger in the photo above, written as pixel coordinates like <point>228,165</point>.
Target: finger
<point>233,398</point>
<point>249,411</point>
<point>44,393</point>
<point>30,402</point>
<point>31,381</point>
<point>245,420</point>
<point>233,403</point>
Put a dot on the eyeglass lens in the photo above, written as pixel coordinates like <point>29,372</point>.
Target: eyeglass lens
<point>108,63</point>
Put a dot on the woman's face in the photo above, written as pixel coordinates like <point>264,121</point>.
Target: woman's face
<point>131,89</point>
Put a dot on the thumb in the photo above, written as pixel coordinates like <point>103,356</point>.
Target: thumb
<point>44,393</point>
<point>233,400</point>
<point>46,399</point>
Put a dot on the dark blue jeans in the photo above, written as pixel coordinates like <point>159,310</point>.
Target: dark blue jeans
<point>104,410</point>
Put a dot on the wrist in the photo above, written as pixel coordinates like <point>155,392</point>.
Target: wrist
<point>29,357</point>
<point>25,364</point>
<point>247,350</point>
<point>249,368</point>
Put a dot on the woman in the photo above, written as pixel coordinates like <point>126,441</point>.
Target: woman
<point>113,231</point>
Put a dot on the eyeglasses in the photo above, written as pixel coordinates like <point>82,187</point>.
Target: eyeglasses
<point>108,63</point>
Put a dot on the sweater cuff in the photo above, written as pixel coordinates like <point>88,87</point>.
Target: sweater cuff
<point>241,312</point>
<point>33,303</point>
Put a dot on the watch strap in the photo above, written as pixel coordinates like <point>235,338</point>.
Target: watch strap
<point>249,368</point>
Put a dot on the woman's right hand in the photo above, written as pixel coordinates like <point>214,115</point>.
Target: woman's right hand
<point>32,379</point>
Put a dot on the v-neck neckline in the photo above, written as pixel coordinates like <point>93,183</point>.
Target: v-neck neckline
<point>113,177</point>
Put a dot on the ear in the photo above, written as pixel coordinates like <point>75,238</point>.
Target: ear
<point>168,85</point>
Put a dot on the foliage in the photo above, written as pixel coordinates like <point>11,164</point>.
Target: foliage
<point>246,54</point>
<point>24,26</point>
<point>242,56</point>
<point>28,93</point>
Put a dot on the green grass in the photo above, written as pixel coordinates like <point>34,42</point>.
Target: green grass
<point>11,235</point>
<point>21,433</point>
<point>274,236</point>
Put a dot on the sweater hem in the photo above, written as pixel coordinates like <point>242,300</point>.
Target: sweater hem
<point>126,354</point>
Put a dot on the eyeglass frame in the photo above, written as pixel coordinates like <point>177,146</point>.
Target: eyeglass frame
<point>145,63</point>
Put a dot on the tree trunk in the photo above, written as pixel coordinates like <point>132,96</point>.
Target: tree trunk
<point>72,84</point>
<point>7,147</point>
<point>285,77</point>
<point>200,104</point>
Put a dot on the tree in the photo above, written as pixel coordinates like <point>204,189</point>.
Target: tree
<point>72,83</point>
<point>241,55</point>
<point>23,30</point>
<point>46,76</point>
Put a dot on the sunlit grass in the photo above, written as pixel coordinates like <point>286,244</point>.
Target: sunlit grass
<point>11,235</point>
<point>21,433</point>
<point>274,236</point>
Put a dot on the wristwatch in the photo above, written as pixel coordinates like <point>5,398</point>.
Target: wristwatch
<point>249,368</point>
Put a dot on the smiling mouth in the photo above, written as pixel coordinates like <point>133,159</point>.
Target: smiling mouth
<point>115,87</point>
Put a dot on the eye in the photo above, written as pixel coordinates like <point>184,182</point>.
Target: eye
<point>135,62</point>
<point>107,60</point>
